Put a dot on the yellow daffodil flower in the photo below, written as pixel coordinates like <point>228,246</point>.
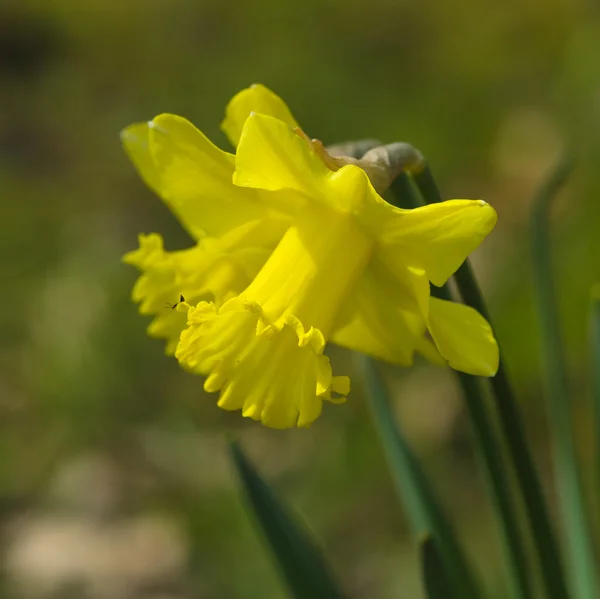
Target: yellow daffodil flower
<point>341,265</point>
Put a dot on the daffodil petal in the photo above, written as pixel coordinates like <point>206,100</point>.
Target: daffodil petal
<point>195,179</point>
<point>463,337</point>
<point>213,269</point>
<point>161,284</point>
<point>380,320</point>
<point>385,315</point>
<point>256,98</point>
<point>135,139</point>
<point>438,237</point>
<point>427,348</point>
<point>271,156</point>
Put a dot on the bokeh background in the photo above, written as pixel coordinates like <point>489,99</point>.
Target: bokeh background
<point>115,481</point>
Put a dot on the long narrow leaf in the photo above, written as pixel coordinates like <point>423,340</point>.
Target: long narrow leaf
<point>422,509</point>
<point>576,525</point>
<point>436,582</point>
<point>543,535</point>
<point>595,365</point>
<point>299,560</point>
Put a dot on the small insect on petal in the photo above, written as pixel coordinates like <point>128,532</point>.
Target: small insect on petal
<point>173,306</point>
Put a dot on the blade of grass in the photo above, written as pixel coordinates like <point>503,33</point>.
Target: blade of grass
<point>486,443</point>
<point>422,509</point>
<point>299,560</point>
<point>505,401</point>
<point>595,366</point>
<point>435,579</point>
<point>576,525</point>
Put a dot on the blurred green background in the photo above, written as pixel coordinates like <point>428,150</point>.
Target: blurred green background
<point>115,480</point>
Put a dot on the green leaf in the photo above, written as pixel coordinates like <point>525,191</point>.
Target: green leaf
<point>422,509</point>
<point>435,579</point>
<point>595,365</point>
<point>299,560</point>
<point>576,525</point>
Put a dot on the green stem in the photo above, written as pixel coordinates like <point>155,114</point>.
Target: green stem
<point>486,443</point>
<point>576,526</point>
<point>512,429</point>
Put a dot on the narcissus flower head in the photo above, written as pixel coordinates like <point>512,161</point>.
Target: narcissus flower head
<point>296,248</point>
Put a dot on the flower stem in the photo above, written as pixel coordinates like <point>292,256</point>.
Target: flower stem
<point>512,428</point>
<point>576,526</point>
